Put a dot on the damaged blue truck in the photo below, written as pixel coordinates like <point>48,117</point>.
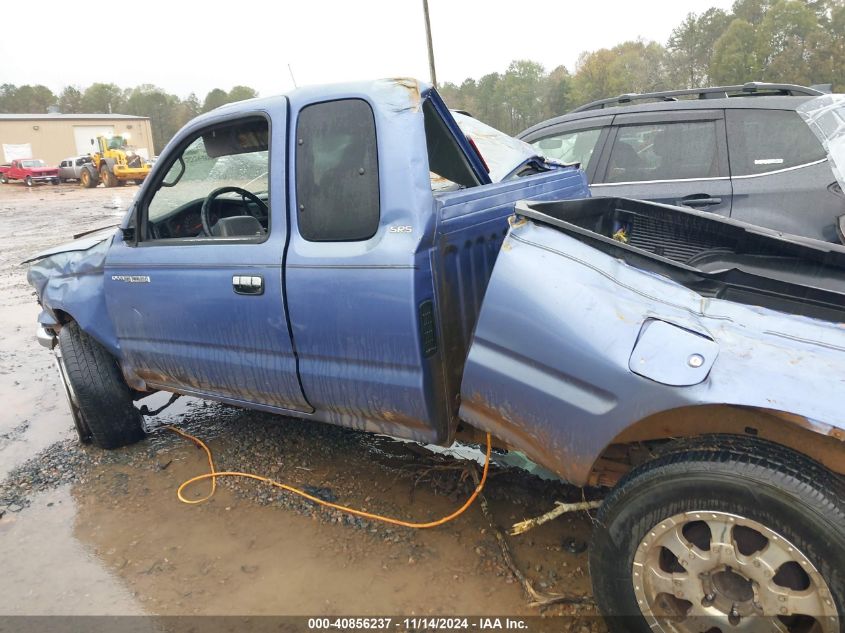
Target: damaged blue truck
<point>341,254</point>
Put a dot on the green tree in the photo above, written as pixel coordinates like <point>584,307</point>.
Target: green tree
<point>101,98</point>
<point>241,93</point>
<point>214,99</point>
<point>150,101</point>
<point>521,93</point>
<point>26,99</point>
<point>8,92</point>
<point>490,101</point>
<point>751,11</point>
<point>557,94</point>
<point>735,57</point>
<point>690,48</point>
<point>70,100</point>
<point>786,37</point>
<point>630,67</point>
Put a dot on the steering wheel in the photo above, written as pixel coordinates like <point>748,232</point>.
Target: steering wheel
<point>209,202</point>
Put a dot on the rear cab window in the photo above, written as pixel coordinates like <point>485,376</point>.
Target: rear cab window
<point>763,141</point>
<point>337,179</point>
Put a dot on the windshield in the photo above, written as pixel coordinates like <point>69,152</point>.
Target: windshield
<point>826,117</point>
<point>33,163</point>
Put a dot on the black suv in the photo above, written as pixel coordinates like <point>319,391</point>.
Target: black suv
<point>752,159</point>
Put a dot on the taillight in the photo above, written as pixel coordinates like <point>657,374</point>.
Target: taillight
<point>478,152</point>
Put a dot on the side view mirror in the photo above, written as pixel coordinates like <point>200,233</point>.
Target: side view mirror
<point>174,174</point>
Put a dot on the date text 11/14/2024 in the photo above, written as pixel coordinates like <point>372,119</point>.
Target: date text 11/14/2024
<point>417,623</point>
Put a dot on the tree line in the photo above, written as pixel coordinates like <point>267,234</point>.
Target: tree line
<point>784,41</point>
<point>167,112</point>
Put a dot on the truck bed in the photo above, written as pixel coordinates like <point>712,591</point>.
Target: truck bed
<point>714,256</point>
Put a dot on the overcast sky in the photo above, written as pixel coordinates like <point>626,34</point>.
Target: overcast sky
<point>189,46</point>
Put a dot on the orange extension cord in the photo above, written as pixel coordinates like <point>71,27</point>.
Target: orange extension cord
<point>213,474</point>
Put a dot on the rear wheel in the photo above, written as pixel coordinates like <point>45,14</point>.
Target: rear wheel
<point>96,387</point>
<point>726,534</point>
<point>55,181</point>
<point>28,181</point>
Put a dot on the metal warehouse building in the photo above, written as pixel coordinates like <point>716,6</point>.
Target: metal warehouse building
<point>54,137</point>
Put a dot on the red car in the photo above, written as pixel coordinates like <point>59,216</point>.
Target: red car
<point>30,170</point>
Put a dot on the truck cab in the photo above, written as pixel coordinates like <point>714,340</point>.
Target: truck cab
<point>321,254</point>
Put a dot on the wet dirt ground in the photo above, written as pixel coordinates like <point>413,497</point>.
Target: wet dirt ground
<point>84,531</point>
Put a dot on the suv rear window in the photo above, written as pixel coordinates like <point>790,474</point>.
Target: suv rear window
<point>664,151</point>
<point>760,141</point>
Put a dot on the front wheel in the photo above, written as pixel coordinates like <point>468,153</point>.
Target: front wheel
<point>99,397</point>
<point>107,177</point>
<point>28,181</point>
<point>726,534</point>
<point>3,179</point>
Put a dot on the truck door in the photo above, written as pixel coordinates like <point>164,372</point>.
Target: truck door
<point>358,274</point>
<point>198,302</point>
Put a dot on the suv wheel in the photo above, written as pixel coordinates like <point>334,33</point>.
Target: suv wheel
<point>724,534</point>
<point>100,399</point>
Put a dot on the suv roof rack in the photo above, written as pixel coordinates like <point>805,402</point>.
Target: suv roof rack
<point>750,89</point>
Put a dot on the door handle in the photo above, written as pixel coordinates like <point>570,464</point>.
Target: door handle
<point>248,284</point>
<point>699,200</point>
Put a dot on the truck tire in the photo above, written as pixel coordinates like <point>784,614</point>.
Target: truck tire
<point>724,529</point>
<point>3,179</point>
<point>107,177</point>
<point>28,181</point>
<point>87,178</point>
<point>103,398</point>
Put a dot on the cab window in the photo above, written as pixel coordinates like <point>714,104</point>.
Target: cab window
<point>216,187</point>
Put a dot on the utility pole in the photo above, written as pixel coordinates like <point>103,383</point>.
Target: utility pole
<point>430,47</point>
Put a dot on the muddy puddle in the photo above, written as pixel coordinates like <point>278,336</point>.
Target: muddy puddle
<point>85,531</point>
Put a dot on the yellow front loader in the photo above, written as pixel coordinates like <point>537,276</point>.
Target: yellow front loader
<point>113,164</point>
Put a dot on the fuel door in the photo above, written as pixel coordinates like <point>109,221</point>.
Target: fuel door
<point>672,355</point>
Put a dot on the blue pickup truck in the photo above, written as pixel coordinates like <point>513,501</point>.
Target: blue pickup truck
<point>340,254</point>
